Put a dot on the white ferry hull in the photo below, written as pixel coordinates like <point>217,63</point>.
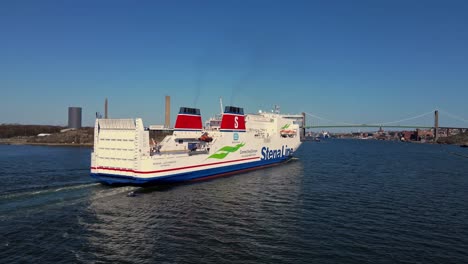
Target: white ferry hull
<point>112,178</point>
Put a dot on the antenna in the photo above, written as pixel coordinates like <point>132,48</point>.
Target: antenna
<point>277,109</point>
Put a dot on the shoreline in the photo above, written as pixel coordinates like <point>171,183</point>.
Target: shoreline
<point>87,145</point>
<point>19,142</point>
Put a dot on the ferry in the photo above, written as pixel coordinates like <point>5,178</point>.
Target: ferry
<point>127,153</point>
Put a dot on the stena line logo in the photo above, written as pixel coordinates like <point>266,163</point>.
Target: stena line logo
<point>269,154</point>
<point>233,122</point>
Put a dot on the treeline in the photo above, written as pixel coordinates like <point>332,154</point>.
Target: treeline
<point>84,135</point>
<point>9,131</point>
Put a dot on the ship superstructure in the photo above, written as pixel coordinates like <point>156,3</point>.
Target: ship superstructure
<point>125,152</point>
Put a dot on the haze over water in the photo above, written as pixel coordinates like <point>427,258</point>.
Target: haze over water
<point>342,201</point>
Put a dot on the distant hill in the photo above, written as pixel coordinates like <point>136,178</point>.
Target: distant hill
<point>460,139</point>
<point>83,135</point>
<point>28,134</point>
<point>15,130</point>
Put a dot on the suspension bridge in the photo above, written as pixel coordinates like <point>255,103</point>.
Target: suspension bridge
<point>395,124</point>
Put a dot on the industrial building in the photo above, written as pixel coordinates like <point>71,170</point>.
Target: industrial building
<point>74,117</point>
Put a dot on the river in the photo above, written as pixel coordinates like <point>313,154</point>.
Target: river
<point>340,201</point>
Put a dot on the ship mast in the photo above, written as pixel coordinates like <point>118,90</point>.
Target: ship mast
<point>221,104</point>
<point>277,109</point>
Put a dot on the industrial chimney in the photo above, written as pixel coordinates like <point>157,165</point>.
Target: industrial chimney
<point>105,110</point>
<point>167,122</point>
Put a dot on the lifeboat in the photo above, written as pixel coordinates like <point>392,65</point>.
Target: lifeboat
<point>205,138</point>
<point>288,133</point>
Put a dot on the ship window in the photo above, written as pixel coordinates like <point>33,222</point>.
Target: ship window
<point>181,141</point>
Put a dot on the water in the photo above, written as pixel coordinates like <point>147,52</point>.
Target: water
<point>342,201</point>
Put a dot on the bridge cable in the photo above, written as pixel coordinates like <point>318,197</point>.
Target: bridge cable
<point>406,119</point>
<point>329,120</point>
<point>453,116</point>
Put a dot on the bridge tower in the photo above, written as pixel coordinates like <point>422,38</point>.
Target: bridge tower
<point>303,130</point>
<point>436,125</point>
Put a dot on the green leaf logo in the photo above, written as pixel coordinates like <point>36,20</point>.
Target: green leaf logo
<point>224,151</point>
<point>285,126</point>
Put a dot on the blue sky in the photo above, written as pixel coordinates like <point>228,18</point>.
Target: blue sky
<point>352,61</point>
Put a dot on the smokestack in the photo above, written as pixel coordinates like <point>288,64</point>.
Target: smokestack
<point>167,122</point>
<point>105,110</point>
<point>436,125</point>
